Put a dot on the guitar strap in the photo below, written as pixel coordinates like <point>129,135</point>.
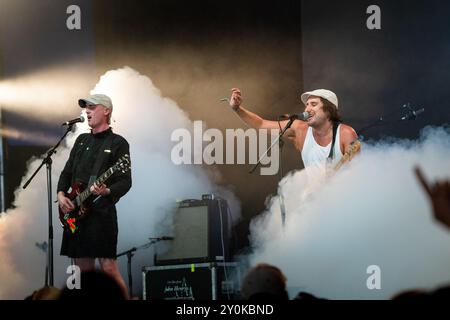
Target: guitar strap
<point>331,154</point>
<point>107,143</point>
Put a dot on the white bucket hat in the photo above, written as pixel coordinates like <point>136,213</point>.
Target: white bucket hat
<point>323,93</point>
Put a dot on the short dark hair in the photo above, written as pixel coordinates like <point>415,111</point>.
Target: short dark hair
<point>264,282</point>
<point>331,110</point>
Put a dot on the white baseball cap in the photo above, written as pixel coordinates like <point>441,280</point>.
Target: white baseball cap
<point>323,93</point>
<point>94,99</point>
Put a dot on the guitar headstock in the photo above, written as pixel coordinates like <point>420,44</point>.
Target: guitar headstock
<point>123,164</point>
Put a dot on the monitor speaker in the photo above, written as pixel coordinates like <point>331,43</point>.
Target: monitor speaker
<point>201,233</point>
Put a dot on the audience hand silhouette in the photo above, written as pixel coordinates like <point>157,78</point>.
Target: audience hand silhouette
<point>439,195</point>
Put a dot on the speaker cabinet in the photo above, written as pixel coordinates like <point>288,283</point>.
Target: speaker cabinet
<point>201,233</point>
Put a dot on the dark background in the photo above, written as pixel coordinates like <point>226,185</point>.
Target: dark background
<point>195,51</point>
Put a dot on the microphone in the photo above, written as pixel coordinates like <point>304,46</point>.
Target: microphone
<point>299,116</point>
<point>73,121</point>
<point>162,238</point>
<point>412,115</point>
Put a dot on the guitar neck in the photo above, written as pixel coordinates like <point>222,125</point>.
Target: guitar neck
<point>100,180</point>
<point>345,158</point>
<point>354,148</point>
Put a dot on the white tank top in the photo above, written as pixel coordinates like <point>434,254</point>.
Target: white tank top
<point>314,154</point>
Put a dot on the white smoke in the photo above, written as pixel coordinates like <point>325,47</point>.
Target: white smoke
<point>372,212</point>
<point>146,120</point>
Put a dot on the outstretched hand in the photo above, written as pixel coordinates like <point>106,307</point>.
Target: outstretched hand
<point>439,195</point>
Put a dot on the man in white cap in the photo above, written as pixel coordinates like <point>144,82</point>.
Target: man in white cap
<point>312,137</point>
<point>95,236</point>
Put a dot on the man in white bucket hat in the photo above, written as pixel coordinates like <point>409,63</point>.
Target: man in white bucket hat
<point>312,136</point>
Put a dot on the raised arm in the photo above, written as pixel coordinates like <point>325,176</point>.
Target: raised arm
<point>250,118</point>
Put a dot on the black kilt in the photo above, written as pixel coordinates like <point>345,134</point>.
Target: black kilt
<point>96,236</point>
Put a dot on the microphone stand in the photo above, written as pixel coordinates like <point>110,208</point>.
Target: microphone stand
<point>43,247</point>
<point>48,162</point>
<point>277,140</point>
<point>129,254</point>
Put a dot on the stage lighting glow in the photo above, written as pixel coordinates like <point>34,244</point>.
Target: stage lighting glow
<point>38,138</point>
<point>4,92</point>
<point>47,95</point>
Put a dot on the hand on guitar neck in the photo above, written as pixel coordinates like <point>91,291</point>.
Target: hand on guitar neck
<point>101,190</point>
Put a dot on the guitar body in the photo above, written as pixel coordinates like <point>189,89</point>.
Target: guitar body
<point>70,220</point>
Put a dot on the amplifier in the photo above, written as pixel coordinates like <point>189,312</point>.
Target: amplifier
<point>201,233</point>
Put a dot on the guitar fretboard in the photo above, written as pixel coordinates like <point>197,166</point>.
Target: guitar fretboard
<point>354,148</point>
<point>100,180</point>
